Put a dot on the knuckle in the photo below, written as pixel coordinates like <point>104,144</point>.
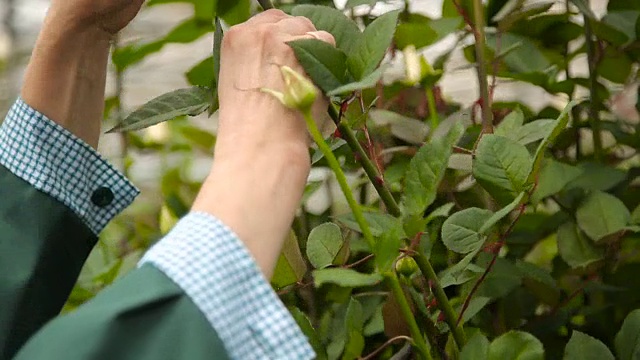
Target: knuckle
<point>326,36</point>
<point>267,32</point>
<point>305,23</point>
<point>232,35</point>
<point>274,13</point>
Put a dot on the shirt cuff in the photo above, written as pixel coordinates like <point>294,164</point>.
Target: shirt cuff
<point>206,259</point>
<point>56,162</point>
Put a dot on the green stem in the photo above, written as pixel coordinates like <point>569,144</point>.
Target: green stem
<point>433,112</point>
<point>394,209</point>
<point>481,65</point>
<point>594,113</point>
<point>450,315</point>
<point>418,340</point>
<point>366,163</point>
<point>342,179</point>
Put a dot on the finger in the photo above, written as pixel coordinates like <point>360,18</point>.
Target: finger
<point>270,16</point>
<point>296,25</point>
<point>323,36</point>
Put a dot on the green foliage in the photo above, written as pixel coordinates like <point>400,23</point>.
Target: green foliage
<point>583,347</point>
<point>192,102</point>
<point>324,244</point>
<point>528,227</point>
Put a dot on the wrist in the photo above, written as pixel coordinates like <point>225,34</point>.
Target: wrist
<point>67,31</point>
<point>256,194</point>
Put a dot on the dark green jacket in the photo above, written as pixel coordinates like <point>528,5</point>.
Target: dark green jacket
<point>43,246</point>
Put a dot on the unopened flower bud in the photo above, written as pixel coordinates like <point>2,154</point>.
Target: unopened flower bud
<point>299,92</point>
<point>413,69</point>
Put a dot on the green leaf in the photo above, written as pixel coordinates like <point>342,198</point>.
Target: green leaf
<point>575,249</point>
<point>500,214</point>
<point>200,138</point>
<point>533,131</point>
<point>501,166</point>
<point>477,348</point>
<point>365,57</point>
<point>417,32</point>
<point>290,267</point>
<point>584,347</point>
<point>202,73</point>
<point>602,214</point>
<point>461,231</point>
<point>506,22</point>
<point>353,3</point>
<point>520,54</point>
<point>426,170</point>
<point>442,211</point>
<point>186,32</point>
<point>378,223</point>
<point>554,176</point>
<point>345,278</point>
<point>334,144</point>
<point>234,12</point>
<point>502,280</point>
<point>635,216</point>
<point>559,125</point>
<point>615,66</point>
<point>354,323</point>
<point>596,176</point>
<point>191,101</point>
<point>324,63</point>
<point>627,341</point>
<point>405,128</point>
<point>307,329</point>
<point>343,29</point>
<point>623,21</point>
<point>510,124</point>
<point>324,244</point>
<point>461,272</point>
<point>534,272</point>
<point>387,248</point>
<point>368,82</point>
<point>516,345</point>
<point>475,305</point>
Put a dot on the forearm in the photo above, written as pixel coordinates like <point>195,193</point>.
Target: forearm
<point>65,79</point>
<point>257,197</point>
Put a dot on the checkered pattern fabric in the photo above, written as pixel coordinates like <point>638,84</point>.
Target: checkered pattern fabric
<point>56,162</point>
<point>200,254</point>
<point>214,268</point>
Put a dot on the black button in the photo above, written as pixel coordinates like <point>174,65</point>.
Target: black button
<point>102,197</point>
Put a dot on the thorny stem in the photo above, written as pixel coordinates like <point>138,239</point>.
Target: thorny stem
<point>342,179</point>
<point>450,315</point>
<point>481,66</point>
<point>500,243</point>
<point>366,163</point>
<point>594,116</point>
<point>418,340</point>
<point>393,208</point>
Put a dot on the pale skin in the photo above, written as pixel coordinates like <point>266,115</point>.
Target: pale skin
<point>262,159</point>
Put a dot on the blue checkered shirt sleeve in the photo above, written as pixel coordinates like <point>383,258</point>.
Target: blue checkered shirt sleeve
<point>56,162</point>
<point>214,268</point>
<point>204,257</point>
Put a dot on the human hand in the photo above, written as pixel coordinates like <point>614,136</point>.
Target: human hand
<point>261,156</point>
<point>105,16</point>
